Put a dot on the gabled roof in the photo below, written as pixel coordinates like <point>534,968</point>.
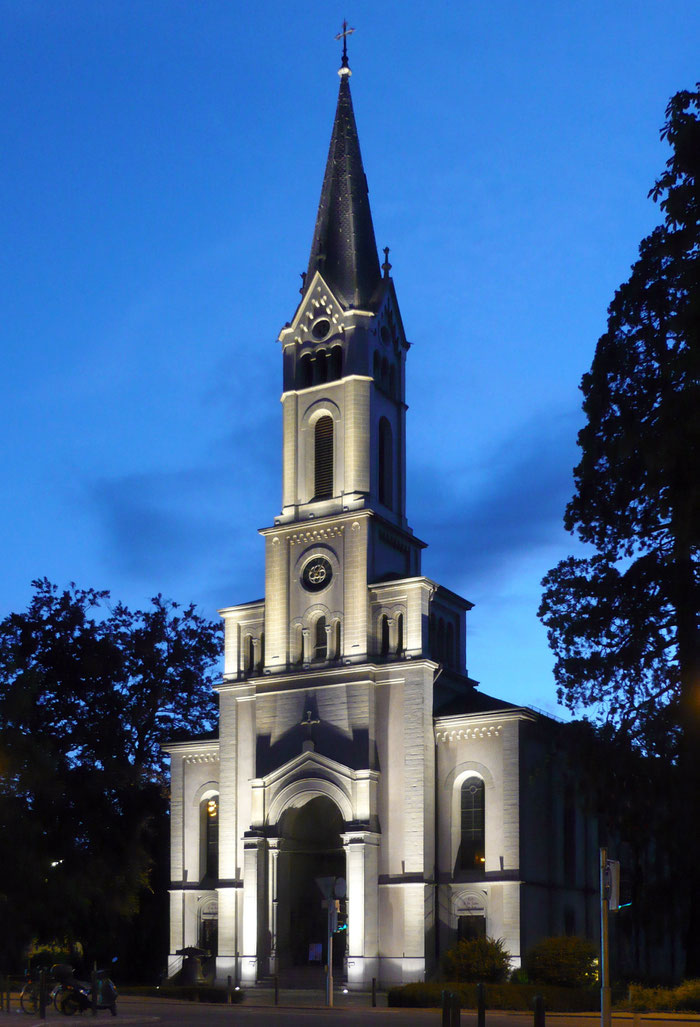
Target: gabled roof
<point>344,249</point>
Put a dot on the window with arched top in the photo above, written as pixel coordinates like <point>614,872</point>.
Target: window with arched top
<point>320,367</point>
<point>377,366</point>
<point>320,640</point>
<point>323,458</point>
<point>399,634</point>
<point>304,372</point>
<point>336,363</point>
<point>384,633</point>
<point>472,848</point>
<point>209,838</point>
<point>338,641</point>
<point>386,462</point>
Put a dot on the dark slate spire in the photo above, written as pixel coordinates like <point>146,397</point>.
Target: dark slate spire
<point>343,248</point>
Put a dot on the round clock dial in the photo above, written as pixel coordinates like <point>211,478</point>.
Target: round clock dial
<point>317,574</point>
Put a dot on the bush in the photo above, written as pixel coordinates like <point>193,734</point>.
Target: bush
<point>480,959</point>
<point>568,962</point>
<point>498,996</point>
<point>684,998</point>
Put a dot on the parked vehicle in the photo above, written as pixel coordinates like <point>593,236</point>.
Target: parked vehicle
<point>30,996</point>
<point>76,996</point>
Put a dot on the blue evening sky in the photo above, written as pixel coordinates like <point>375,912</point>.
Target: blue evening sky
<point>162,163</point>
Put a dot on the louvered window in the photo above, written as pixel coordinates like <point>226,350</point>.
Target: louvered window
<point>386,459</point>
<point>323,465</point>
<point>321,643</point>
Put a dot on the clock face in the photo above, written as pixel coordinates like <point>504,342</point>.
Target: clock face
<point>317,574</point>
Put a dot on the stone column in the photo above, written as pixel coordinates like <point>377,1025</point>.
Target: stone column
<point>253,882</point>
<point>305,654</point>
<point>362,860</point>
<point>273,900</point>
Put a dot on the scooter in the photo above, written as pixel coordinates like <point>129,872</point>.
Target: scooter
<point>76,996</point>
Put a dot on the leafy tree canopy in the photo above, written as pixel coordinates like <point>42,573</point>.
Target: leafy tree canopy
<point>89,691</point>
<point>623,622</point>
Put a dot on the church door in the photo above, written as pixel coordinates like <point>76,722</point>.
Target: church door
<point>310,847</point>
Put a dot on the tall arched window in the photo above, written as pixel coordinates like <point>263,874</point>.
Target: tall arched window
<point>323,458</point>
<point>386,460</point>
<point>209,838</point>
<point>320,367</point>
<point>472,842</point>
<point>336,363</point>
<point>384,628</point>
<point>338,641</point>
<point>321,640</point>
<point>305,372</point>
<point>399,634</point>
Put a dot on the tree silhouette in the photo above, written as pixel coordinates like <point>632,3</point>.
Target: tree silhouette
<point>623,622</point>
<point>88,692</point>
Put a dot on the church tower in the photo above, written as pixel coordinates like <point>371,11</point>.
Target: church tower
<point>352,744</point>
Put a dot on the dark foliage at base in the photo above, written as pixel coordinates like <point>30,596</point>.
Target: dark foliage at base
<point>199,993</point>
<point>498,996</point>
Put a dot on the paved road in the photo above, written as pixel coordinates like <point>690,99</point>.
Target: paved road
<point>138,1011</point>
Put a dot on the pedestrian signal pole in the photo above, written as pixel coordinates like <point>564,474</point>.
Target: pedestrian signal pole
<point>609,902</point>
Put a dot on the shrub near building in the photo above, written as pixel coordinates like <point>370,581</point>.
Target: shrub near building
<point>477,959</point>
<point>568,961</point>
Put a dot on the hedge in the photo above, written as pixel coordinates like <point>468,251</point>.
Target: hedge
<point>684,998</point>
<point>428,994</point>
<point>199,993</point>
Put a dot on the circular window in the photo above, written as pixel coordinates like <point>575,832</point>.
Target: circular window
<point>321,328</point>
<point>317,574</point>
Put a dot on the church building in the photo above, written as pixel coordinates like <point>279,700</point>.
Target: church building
<point>352,743</point>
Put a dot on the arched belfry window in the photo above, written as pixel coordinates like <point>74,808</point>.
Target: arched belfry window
<point>399,634</point>
<point>384,640</point>
<point>386,459</point>
<point>472,813</point>
<point>323,458</point>
<point>321,640</point>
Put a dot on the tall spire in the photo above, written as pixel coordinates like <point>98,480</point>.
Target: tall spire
<point>344,248</point>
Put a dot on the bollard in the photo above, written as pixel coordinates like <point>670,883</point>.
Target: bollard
<point>446,1006</point>
<point>539,1011</point>
<point>277,990</point>
<point>480,1005</point>
<point>374,992</point>
<point>42,994</point>
<point>455,1011</point>
<point>229,989</point>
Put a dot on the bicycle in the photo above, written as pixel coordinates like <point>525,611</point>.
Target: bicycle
<point>30,996</point>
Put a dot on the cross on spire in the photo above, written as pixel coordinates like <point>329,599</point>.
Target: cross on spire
<point>345,67</point>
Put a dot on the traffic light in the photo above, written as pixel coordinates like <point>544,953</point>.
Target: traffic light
<point>342,915</point>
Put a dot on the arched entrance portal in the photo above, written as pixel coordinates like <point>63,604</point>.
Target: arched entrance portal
<point>310,847</point>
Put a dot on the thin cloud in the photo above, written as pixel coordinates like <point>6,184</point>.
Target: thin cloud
<point>488,521</point>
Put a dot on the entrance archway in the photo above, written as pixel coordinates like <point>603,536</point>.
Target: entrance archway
<point>310,847</point>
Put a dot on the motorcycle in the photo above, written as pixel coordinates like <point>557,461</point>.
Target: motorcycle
<point>76,996</point>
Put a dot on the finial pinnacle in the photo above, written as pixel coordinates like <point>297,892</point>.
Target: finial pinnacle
<point>386,266</point>
<point>345,67</point>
